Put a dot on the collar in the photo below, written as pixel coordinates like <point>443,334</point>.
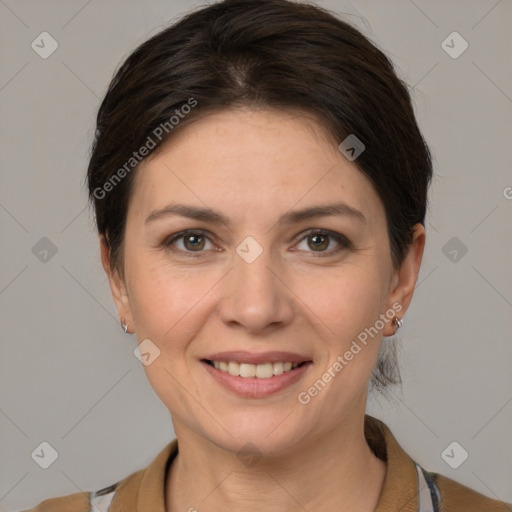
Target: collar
<point>146,487</point>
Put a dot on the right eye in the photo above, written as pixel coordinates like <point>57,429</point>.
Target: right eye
<point>193,241</point>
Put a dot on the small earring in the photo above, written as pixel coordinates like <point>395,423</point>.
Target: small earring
<point>398,322</point>
<point>124,326</point>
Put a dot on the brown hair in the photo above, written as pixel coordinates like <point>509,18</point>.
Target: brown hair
<point>263,53</point>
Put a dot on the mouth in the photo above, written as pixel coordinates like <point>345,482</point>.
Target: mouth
<point>249,380</point>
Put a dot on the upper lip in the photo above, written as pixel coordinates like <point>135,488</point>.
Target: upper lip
<point>242,356</point>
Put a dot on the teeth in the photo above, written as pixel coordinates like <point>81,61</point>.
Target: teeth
<point>233,368</point>
<point>263,371</point>
<point>278,368</point>
<point>247,370</point>
<point>260,371</point>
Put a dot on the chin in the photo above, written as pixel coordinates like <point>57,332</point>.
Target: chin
<point>266,434</point>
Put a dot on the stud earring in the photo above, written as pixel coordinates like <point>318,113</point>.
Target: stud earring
<point>398,322</point>
<point>124,326</point>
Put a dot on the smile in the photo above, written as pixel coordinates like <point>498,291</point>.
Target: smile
<point>259,371</point>
<point>255,380</point>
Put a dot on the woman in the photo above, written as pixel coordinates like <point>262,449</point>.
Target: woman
<point>260,186</point>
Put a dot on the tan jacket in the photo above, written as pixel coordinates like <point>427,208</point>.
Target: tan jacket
<point>406,486</point>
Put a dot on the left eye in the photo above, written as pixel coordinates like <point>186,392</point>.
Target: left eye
<point>320,239</point>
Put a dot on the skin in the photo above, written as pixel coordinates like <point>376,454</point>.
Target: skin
<point>253,166</point>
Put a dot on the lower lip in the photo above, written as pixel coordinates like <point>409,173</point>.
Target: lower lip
<point>252,387</point>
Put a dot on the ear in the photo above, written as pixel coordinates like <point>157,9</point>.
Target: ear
<point>404,279</point>
<point>117,284</point>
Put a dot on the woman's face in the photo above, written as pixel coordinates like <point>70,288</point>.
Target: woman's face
<point>260,282</point>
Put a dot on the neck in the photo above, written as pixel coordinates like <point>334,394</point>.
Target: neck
<point>336,471</point>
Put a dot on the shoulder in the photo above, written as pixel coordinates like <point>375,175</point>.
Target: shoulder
<point>123,493</point>
<point>404,474</point>
<point>78,502</point>
<point>455,497</point>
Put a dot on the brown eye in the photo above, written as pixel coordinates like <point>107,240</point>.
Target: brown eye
<point>191,242</point>
<point>319,240</point>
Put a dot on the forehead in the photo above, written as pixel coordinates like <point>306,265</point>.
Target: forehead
<point>252,160</point>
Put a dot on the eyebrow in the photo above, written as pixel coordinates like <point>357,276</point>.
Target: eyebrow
<point>291,217</point>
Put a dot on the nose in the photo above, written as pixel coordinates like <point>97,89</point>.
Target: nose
<point>256,297</point>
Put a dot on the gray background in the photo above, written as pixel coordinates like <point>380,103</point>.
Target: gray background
<point>68,373</point>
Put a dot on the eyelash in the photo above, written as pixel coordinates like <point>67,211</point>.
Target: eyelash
<point>341,239</point>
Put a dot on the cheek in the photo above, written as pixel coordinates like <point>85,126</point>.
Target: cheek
<point>346,300</point>
<point>166,301</point>
<point>348,303</point>
<point>168,308</point>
